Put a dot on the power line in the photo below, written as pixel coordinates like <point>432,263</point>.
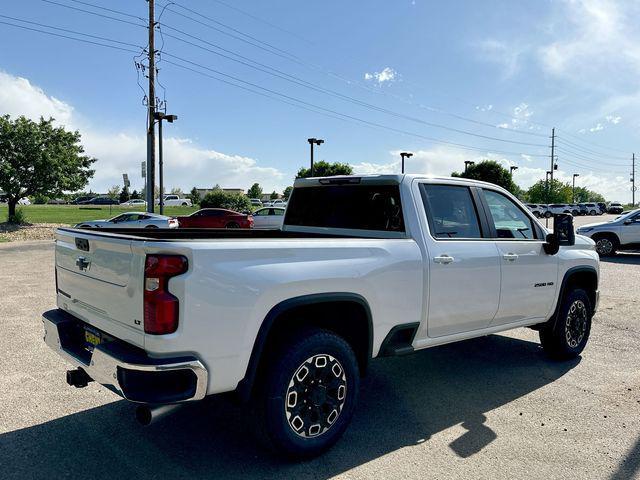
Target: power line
<point>93,13</point>
<point>575,137</point>
<point>334,112</point>
<point>582,156</point>
<point>70,38</point>
<point>69,31</point>
<point>589,151</point>
<point>108,9</point>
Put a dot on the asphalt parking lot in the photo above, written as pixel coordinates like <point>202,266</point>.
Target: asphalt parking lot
<point>493,407</point>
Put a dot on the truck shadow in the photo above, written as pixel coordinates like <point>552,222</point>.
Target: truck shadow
<point>403,402</point>
<point>627,258</point>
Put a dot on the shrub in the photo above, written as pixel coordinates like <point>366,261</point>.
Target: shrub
<point>40,199</point>
<point>221,199</point>
<point>18,218</point>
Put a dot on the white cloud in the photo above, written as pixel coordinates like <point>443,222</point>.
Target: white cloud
<point>506,55</point>
<point>186,163</point>
<point>386,75</point>
<point>613,119</point>
<point>597,128</point>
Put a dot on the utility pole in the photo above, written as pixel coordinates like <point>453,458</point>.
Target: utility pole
<point>553,151</point>
<point>633,180</point>
<point>151,127</point>
<point>573,190</point>
<point>404,155</point>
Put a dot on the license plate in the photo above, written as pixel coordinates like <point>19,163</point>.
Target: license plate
<point>91,338</point>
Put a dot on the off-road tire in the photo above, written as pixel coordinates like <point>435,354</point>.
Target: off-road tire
<point>565,337</point>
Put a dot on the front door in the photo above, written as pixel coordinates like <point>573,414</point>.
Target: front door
<point>630,230</point>
<point>464,269</point>
<point>529,275</point>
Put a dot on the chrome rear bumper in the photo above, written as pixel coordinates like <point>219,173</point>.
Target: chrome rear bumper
<point>126,369</point>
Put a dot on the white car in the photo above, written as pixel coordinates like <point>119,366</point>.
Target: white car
<point>133,220</point>
<point>24,201</point>
<point>172,200</point>
<point>268,217</point>
<point>134,202</point>
<point>364,267</point>
<point>556,208</point>
<point>622,233</point>
<point>539,210</point>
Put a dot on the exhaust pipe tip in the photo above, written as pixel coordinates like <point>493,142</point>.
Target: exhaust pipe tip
<point>148,414</point>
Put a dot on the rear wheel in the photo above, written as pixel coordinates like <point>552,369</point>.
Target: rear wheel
<point>536,214</point>
<point>592,212</point>
<point>606,245</point>
<point>151,226</point>
<point>184,204</point>
<point>568,335</point>
<point>547,214</point>
<point>310,393</point>
<point>232,225</point>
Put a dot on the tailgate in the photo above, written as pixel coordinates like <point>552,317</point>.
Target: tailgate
<point>100,280</point>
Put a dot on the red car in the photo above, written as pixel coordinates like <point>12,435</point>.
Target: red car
<point>216,218</point>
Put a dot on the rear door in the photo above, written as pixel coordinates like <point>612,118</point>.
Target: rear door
<point>464,268</point>
<point>630,230</point>
<point>529,275</point>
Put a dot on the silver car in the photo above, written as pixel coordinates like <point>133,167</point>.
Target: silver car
<point>622,233</point>
<point>133,220</point>
<point>269,217</point>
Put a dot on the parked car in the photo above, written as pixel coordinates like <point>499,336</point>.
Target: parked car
<point>537,210</point>
<point>256,202</point>
<point>80,200</point>
<point>622,233</point>
<point>216,218</point>
<point>584,210</point>
<point>57,201</point>
<point>100,201</point>
<point>556,208</point>
<point>603,207</point>
<point>172,200</point>
<point>268,217</point>
<point>574,208</point>
<point>134,202</point>
<point>133,220</point>
<point>592,209</point>
<point>615,208</point>
<point>364,267</point>
<point>24,201</point>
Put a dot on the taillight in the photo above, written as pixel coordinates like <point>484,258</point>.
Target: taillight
<point>160,307</point>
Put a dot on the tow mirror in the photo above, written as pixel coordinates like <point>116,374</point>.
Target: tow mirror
<point>563,233</point>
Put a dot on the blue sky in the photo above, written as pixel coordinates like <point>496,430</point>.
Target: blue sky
<point>509,70</point>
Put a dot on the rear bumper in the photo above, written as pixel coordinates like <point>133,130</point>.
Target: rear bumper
<point>125,369</point>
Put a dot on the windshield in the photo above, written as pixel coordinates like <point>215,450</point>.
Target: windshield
<point>627,215</point>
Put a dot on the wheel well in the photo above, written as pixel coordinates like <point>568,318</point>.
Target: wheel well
<point>612,235</point>
<point>585,279</point>
<point>344,314</point>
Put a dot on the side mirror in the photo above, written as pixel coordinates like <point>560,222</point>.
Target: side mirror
<point>563,233</point>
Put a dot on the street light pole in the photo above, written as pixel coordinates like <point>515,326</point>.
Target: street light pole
<point>312,142</point>
<point>160,116</point>
<point>404,155</point>
<point>573,189</point>
<point>511,169</point>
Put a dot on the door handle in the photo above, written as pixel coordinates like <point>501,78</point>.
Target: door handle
<point>444,259</point>
<point>510,257</point>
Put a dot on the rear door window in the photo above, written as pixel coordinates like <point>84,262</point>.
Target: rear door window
<point>358,207</point>
<point>509,220</point>
<point>451,211</point>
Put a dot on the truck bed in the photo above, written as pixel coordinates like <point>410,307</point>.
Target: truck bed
<point>158,234</point>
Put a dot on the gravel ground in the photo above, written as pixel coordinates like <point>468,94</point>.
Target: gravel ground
<point>35,231</point>
<point>492,407</point>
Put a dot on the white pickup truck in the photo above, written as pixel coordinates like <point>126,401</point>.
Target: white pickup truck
<point>172,200</point>
<point>363,267</point>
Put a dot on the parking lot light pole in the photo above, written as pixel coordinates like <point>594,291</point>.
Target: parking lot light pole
<point>573,189</point>
<point>404,155</point>
<point>467,164</point>
<point>160,116</point>
<point>512,168</point>
<point>312,142</point>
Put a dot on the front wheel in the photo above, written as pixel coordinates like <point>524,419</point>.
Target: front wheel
<point>568,335</point>
<point>547,214</point>
<point>310,393</point>
<point>606,245</point>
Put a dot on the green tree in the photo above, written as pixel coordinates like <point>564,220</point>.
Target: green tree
<point>255,191</point>
<point>113,192</point>
<point>549,192</point>
<point>124,194</point>
<point>492,172</point>
<point>37,158</point>
<point>218,198</point>
<point>273,195</point>
<point>287,192</point>
<point>135,195</point>
<point>194,196</point>
<point>177,191</point>
<point>585,195</point>
<point>326,169</point>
